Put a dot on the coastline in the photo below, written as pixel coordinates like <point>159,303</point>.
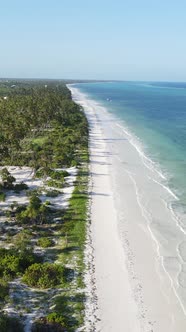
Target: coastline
<point>133,290</point>
<point>110,272</point>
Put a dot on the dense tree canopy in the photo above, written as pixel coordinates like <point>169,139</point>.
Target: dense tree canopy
<point>41,126</point>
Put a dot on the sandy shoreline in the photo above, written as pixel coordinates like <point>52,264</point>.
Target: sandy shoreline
<point>134,293</point>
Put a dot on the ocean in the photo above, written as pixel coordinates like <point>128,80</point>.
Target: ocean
<point>152,115</point>
<point>155,114</point>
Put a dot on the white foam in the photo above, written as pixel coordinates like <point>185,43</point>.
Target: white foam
<point>160,257</point>
<point>136,144</point>
<point>156,176</point>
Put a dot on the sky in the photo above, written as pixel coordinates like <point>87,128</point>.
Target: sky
<point>93,39</point>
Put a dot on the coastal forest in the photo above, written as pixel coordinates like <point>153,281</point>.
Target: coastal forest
<point>43,207</point>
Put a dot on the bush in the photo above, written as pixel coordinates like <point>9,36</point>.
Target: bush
<point>13,263</point>
<point>2,197</point>
<point>32,192</point>
<point>44,275</point>
<point>35,212</point>
<point>54,183</point>
<point>10,324</point>
<point>45,325</point>
<point>45,242</point>
<point>27,258</point>
<point>42,172</point>
<point>4,289</point>
<point>53,174</point>
<point>74,163</point>
<point>7,179</point>
<point>9,266</point>
<point>22,240</point>
<point>20,186</point>
<point>58,175</point>
<point>52,193</point>
<point>65,173</point>
<point>54,317</point>
<point>20,208</point>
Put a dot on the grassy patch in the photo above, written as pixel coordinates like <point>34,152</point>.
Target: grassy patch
<point>45,242</point>
<point>76,216</point>
<point>54,183</point>
<point>40,140</point>
<point>71,304</point>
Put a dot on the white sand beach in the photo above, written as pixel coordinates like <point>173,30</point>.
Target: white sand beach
<point>134,292</point>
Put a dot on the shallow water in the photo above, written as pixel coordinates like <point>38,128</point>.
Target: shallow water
<point>156,114</point>
<point>152,117</point>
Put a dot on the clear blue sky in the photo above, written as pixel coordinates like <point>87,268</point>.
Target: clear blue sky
<point>98,39</point>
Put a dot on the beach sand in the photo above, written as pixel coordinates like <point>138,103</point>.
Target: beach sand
<point>134,292</point>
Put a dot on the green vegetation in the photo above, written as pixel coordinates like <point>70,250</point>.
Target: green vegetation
<point>7,181</point>
<point>45,242</point>
<point>2,197</point>
<point>55,184</point>
<point>20,186</point>
<point>53,174</point>
<point>76,216</point>
<point>71,305</point>
<point>55,318</point>
<point>52,193</point>
<point>34,213</point>
<point>14,262</point>
<point>51,323</point>
<point>9,324</point>
<point>44,275</point>
<point>4,290</point>
<point>22,241</point>
<point>41,127</point>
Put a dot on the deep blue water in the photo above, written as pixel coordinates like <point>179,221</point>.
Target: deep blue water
<point>156,113</point>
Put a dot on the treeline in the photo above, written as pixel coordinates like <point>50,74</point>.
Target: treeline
<point>41,126</point>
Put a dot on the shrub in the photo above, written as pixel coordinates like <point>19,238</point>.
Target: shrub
<point>22,240</point>
<point>54,317</point>
<point>44,275</point>
<point>65,173</point>
<point>54,183</point>
<point>45,242</point>
<point>32,192</point>
<point>74,163</point>
<point>53,174</point>
<point>20,186</point>
<point>2,197</point>
<point>27,258</point>
<point>44,325</point>
<point>42,172</point>
<point>19,208</point>
<point>9,266</point>
<point>13,263</point>
<point>4,289</point>
<point>7,179</point>
<point>57,175</point>
<point>35,212</point>
<point>52,193</point>
<point>10,324</point>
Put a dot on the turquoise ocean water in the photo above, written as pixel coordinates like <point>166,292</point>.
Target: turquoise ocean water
<point>152,118</point>
<point>155,113</point>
